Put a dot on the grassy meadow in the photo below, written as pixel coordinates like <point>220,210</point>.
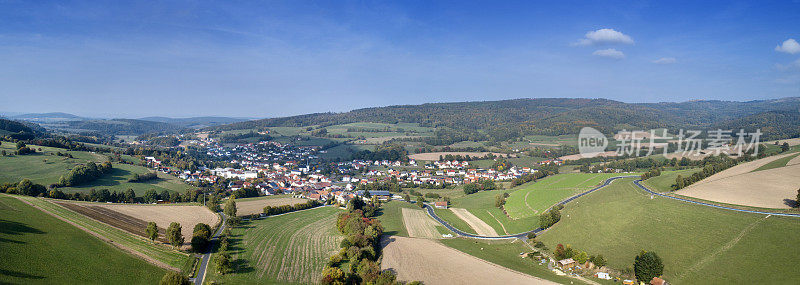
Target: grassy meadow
<point>162,253</point>
<point>40,249</point>
<point>665,181</point>
<point>698,244</point>
<point>46,168</point>
<point>43,167</point>
<point>285,249</point>
<point>481,205</point>
<point>533,198</point>
<point>117,180</point>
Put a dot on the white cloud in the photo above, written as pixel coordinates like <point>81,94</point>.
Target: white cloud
<point>789,46</point>
<point>604,36</point>
<point>665,60</point>
<point>610,53</point>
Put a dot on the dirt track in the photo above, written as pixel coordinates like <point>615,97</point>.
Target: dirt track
<point>419,224</point>
<point>256,206</point>
<point>772,188</point>
<point>481,227</point>
<point>433,263</point>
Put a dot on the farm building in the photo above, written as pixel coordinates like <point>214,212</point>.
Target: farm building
<point>440,205</point>
<point>603,275</point>
<point>568,263</point>
<point>658,281</point>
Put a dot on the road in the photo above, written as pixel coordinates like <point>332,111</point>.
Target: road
<point>638,183</point>
<point>523,235</point>
<point>201,273</point>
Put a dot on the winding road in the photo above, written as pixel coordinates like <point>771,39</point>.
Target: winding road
<point>201,273</point>
<point>637,182</point>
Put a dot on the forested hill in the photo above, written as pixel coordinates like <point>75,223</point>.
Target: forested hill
<point>506,119</point>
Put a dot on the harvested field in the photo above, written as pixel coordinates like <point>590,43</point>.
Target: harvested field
<point>740,169</point>
<point>419,224</point>
<point>794,161</point>
<point>481,227</point>
<point>127,223</point>
<point>435,155</point>
<point>134,218</point>
<point>578,156</point>
<point>433,263</point>
<point>773,188</point>
<point>256,206</point>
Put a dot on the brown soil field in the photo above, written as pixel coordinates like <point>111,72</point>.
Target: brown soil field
<point>578,156</point>
<point>741,169</point>
<point>134,218</point>
<point>127,223</point>
<point>256,206</point>
<point>773,188</point>
<point>794,161</point>
<point>433,263</point>
<point>419,224</point>
<point>435,155</point>
<point>481,227</point>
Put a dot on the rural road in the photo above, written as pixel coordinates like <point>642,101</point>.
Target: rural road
<point>519,235</point>
<point>201,273</point>
<point>638,183</point>
<point>523,235</point>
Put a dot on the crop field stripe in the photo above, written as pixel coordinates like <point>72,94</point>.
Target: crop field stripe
<point>175,259</point>
<point>290,248</point>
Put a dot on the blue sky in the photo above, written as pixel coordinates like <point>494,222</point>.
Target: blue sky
<point>265,59</point>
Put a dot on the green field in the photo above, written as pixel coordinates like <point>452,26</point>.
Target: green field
<point>781,162</point>
<point>391,217</point>
<point>290,248</point>
<point>481,205</point>
<point>533,198</point>
<point>46,168</point>
<point>161,253</point>
<point>698,244</point>
<point>117,180</point>
<point>43,167</point>
<point>664,182</point>
<point>40,249</point>
<point>506,254</point>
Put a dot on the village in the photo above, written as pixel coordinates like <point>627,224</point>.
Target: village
<point>274,168</point>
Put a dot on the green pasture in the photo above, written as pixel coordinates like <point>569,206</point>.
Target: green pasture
<point>698,244</point>
<point>532,198</point>
<point>40,249</point>
<point>42,167</point>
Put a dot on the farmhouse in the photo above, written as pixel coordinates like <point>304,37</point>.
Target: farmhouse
<point>658,281</point>
<point>565,264</point>
<point>440,204</point>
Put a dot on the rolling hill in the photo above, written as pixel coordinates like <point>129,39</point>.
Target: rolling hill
<point>502,120</point>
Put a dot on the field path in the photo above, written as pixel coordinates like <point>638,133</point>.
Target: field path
<point>499,222</point>
<point>699,265</point>
<point>418,224</point>
<point>434,263</point>
<point>481,227</point>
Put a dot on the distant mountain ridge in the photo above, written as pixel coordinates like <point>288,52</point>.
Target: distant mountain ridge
<point>195,122</point>
<point>508,119</point>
